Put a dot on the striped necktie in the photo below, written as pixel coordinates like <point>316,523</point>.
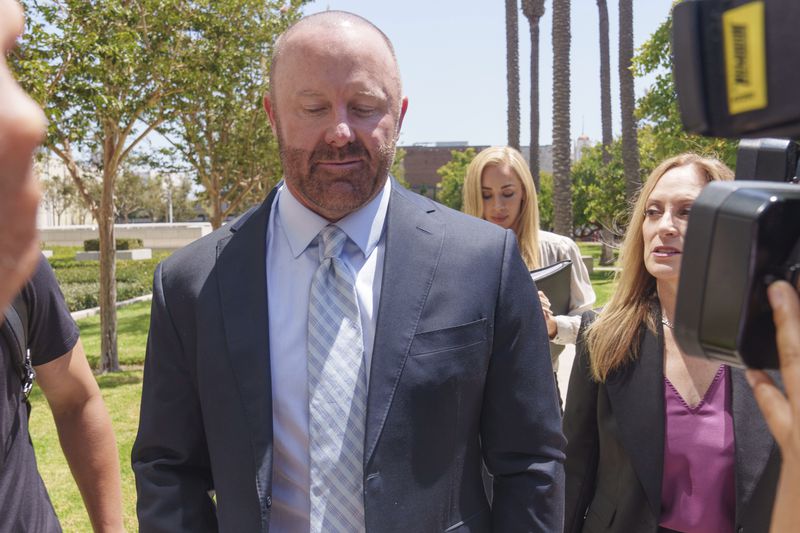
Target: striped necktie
<point>337,392</point>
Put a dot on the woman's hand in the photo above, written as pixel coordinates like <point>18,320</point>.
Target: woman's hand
<point>550,320</point>
<point>782,412</point>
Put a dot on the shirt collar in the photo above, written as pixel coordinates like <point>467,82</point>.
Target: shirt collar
<point>301,225</point>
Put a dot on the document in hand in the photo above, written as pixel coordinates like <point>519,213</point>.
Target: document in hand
<point>554,282</point>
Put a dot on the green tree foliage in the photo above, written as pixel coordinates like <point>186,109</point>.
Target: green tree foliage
<point>398,170</point>
<point>59,194</point>
<point>108,73</point>
<point>599,188</point>
<point>179,189</point>
<point>453,173</point>
<point>658,108</point>
<point>138,195</point>
<point>219,126</point>
<point>545,198</point>
<point>105,74</point>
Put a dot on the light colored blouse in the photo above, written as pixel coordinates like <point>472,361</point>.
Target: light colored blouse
<point>552,249</point>
<point>698,494</point>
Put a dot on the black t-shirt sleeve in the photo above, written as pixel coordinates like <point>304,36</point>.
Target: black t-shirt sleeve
<point>52,332</point>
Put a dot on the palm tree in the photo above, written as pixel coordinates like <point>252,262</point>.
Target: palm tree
<point>533,11</point>
<point>562,183</point>
<point>630,149</point>
<point>606,252</point>
<point>512,72</point>
<point>605,82</point>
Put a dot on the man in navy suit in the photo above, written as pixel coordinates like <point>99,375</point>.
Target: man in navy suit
<point>451,360</point>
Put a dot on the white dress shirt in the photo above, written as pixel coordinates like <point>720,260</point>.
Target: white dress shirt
<point>292,258</point>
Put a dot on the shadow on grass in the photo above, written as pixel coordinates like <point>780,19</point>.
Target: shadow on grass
<point>119,379</point>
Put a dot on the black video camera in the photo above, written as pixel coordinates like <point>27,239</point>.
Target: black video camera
<point>737,74</point>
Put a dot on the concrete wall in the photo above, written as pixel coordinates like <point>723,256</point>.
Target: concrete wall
<point>155,236</point>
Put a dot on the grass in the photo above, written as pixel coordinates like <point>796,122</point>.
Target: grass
<point>603,285</point>
<point>121,393</point>
<point>602,280</point>
<point>133,322</point>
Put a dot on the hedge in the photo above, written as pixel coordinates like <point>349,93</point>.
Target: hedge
<point>93,245</point>
<point>80,280</point>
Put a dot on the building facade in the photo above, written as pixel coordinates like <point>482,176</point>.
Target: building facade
<point>422,160</point>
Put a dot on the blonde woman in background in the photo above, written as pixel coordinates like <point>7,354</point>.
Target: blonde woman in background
<point>499,188</point>
<point>659,441</point>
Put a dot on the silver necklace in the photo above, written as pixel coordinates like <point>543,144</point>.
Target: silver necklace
<point>666,322</point>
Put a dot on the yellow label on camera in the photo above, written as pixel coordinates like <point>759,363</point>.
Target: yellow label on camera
<point>745,57</point>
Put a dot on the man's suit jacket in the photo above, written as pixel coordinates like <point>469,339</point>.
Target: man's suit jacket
<point>615,450</point>
<point>460,371</point>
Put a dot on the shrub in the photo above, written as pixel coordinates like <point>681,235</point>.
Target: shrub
<point>79,280</point>
<point>93,245</point>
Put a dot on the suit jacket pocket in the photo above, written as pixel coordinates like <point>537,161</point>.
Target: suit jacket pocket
<point>447,339</point>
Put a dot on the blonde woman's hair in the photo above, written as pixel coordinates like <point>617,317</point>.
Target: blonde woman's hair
<point>613,339</point>
<point>526,226</point>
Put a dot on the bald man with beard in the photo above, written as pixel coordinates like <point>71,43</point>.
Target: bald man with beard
<point>347,355</point>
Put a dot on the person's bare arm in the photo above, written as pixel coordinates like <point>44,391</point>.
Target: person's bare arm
<point>21,129</point>
<point>87,439</point>
<point>782,412</point>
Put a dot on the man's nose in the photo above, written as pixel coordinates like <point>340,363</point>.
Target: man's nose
<point>340,133</point>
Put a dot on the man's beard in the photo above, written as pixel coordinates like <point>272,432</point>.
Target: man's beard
<point>336,192</point>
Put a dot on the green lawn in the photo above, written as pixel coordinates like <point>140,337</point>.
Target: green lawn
<point>602,280</point>
<point>121,393</point>
<point>133,322</point>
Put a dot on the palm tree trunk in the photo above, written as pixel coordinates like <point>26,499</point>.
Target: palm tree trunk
<point>606,235</point>
<point>605,82</point>
<point>512,72</point>
<point>562,182</point>
<point>533,11</point>
<point>630,149</point>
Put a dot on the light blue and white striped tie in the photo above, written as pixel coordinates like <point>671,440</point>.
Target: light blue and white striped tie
<point>337,392</point>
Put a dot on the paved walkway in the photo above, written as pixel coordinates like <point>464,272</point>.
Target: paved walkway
<point>564,368</point>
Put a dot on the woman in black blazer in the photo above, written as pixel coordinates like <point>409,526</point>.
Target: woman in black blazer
<point>657,440</point>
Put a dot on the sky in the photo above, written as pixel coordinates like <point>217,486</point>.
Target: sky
<point>452,57</point>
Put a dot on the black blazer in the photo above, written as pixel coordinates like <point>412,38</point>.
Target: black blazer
<point>615,447</point>
<point>460,372</point>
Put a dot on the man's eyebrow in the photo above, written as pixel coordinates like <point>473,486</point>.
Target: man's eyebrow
<point>308,93</point>
<point>371,93</point>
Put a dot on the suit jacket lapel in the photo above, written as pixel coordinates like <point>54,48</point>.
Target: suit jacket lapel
<point>241,271</point>
<point>410,233</point>
<point>753,441</point>
<point>636,393</point>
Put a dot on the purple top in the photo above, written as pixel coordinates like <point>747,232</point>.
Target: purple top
<point>697,490</point>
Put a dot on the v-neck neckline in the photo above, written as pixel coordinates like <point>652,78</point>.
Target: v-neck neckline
<point>712,387</point>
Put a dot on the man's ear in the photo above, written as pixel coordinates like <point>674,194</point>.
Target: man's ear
<point>269,107</point>
<point>403,109</point>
